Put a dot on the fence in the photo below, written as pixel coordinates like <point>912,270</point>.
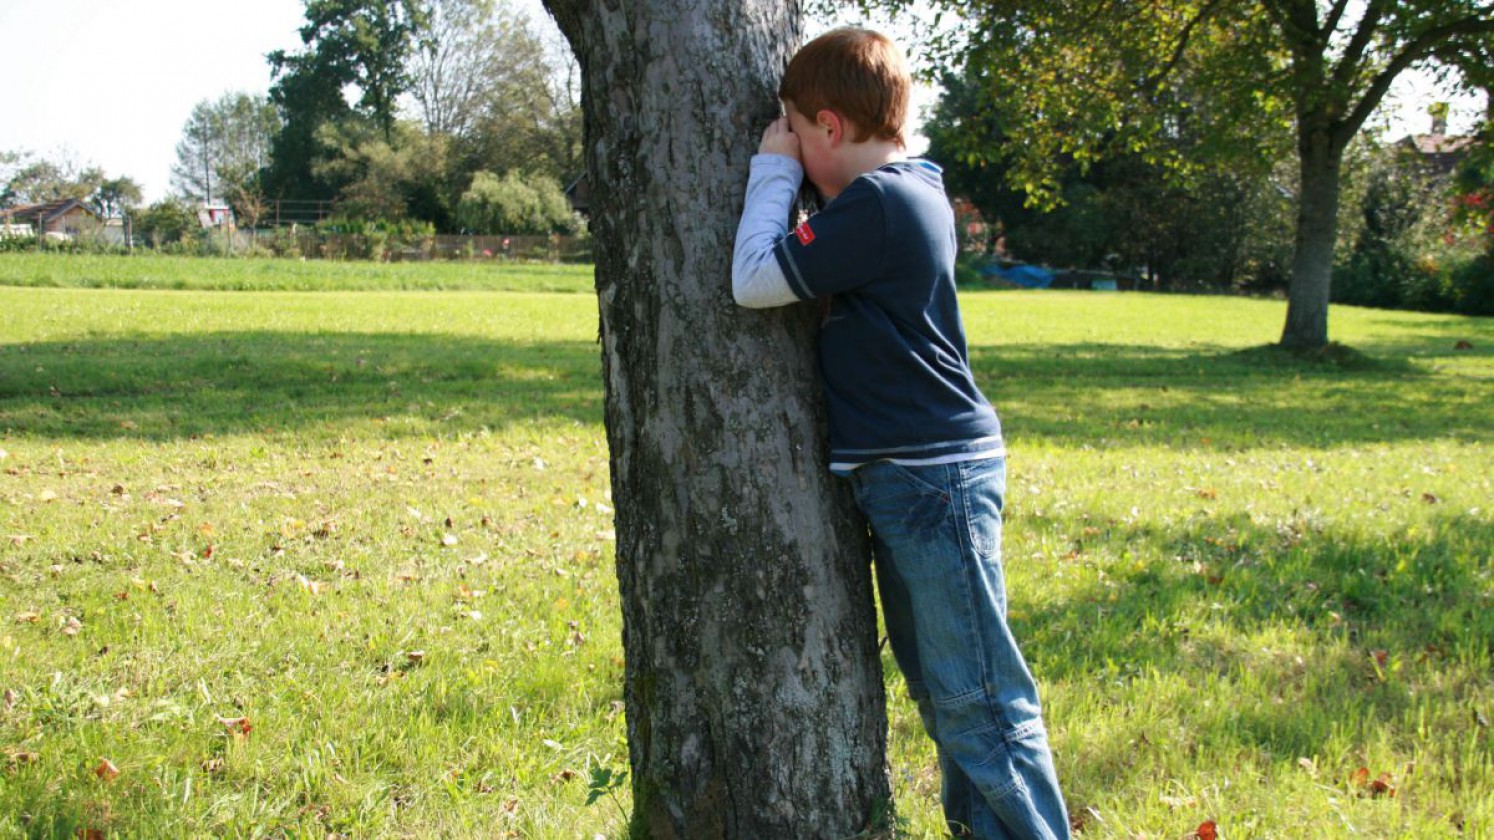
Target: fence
<point>313,244</point>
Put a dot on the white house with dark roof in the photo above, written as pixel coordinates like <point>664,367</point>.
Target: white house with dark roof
<point>65,217</point>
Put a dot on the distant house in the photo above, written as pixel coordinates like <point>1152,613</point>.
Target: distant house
<point>65,217</point>
<point>578,192</point>
<point>1436,152</point>
<point>215,216</point>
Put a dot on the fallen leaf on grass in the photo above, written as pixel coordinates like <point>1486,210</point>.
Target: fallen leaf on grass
<point>1207,830</point>
<point>1430,498</point>
<point>28,618</point>
<point>90,834</point>
<point>10,699</point>
<point>448,540</point>
<point>72,626</point>
<point>1309,765</point>
<point>312,587</point>
<point>19,539</point>
<point>238,727</point>
<point>22,757</point>
<point>106,770</point>
<point>415,657</point>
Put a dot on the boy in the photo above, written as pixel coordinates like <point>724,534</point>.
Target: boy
<point>920,445</point>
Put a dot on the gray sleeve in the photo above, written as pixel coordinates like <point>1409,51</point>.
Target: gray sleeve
<point>757,281</point>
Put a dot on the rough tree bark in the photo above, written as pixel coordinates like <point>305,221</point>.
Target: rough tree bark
<point>1320,155</point>
<point>753,686</point>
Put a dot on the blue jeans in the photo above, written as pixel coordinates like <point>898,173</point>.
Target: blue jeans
<point>937,540</point>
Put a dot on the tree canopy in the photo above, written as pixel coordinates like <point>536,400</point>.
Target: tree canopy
<point>448,89</point>
<point>1087,78</point>
<point>224,145</point>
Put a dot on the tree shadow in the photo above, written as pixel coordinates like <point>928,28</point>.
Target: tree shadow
<point>1342,631</point>
<point>1106,395</point>
<point>181,386</point>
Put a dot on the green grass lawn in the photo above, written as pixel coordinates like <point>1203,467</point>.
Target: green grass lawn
<point>372,528</point>
<point>147,270</point>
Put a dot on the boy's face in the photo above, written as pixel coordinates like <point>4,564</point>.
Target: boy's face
<point>816,151</point>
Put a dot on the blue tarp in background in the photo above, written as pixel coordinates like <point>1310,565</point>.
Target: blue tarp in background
<point>1026,276</point>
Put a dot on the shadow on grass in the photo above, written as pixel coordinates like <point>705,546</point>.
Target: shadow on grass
<point>1107,395</point>
<point>1100,395</point>
<point>1307,633</point>
<point>224,383</point>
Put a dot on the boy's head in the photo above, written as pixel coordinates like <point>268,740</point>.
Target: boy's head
<point>856,73</point>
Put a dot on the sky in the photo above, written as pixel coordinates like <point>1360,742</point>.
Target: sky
<point>111,83</point>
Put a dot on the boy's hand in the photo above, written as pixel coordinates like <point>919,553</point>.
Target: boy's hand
<point>779,139</point>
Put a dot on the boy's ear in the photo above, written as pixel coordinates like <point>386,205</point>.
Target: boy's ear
<point>832,123</point>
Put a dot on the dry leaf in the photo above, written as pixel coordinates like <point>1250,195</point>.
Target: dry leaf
<point>90,834</point>
<point>28,618</point>
<point>10,699</point>
<point>47,496</point>
<point>1207,830</point>
<point>106,770</point>
<point>72,626</point>
<point>23,757</point>
<point>238,727</point>
<point>415,656</point>
<point>449,540</point>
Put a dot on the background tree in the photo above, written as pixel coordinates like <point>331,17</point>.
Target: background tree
<point>1084,78</point>
<point>1211,223</point>
<point>224,145</point>
<point>115,197</point>
<point>391,177</point>
<point>752,683</point>
<point>484,76</point>
<point>516,203</point>
<point>459,58</point>
<point>35,180</point>
<point>166,222</point>
<point>360,43</point>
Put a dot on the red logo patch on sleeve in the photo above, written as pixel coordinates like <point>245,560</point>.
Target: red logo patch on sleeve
<point>805,234</point>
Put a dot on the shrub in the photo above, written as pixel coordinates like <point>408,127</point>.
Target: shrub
<point>515,204</point>
<point>167,222</point>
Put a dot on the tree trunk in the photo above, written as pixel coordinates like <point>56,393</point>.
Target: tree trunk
<point>753,684</point>
<point>1320,157</point>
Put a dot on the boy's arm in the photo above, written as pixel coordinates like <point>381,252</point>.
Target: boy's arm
<point>757,281</point>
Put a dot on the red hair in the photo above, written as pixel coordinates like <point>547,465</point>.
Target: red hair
<point>857,73</point>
